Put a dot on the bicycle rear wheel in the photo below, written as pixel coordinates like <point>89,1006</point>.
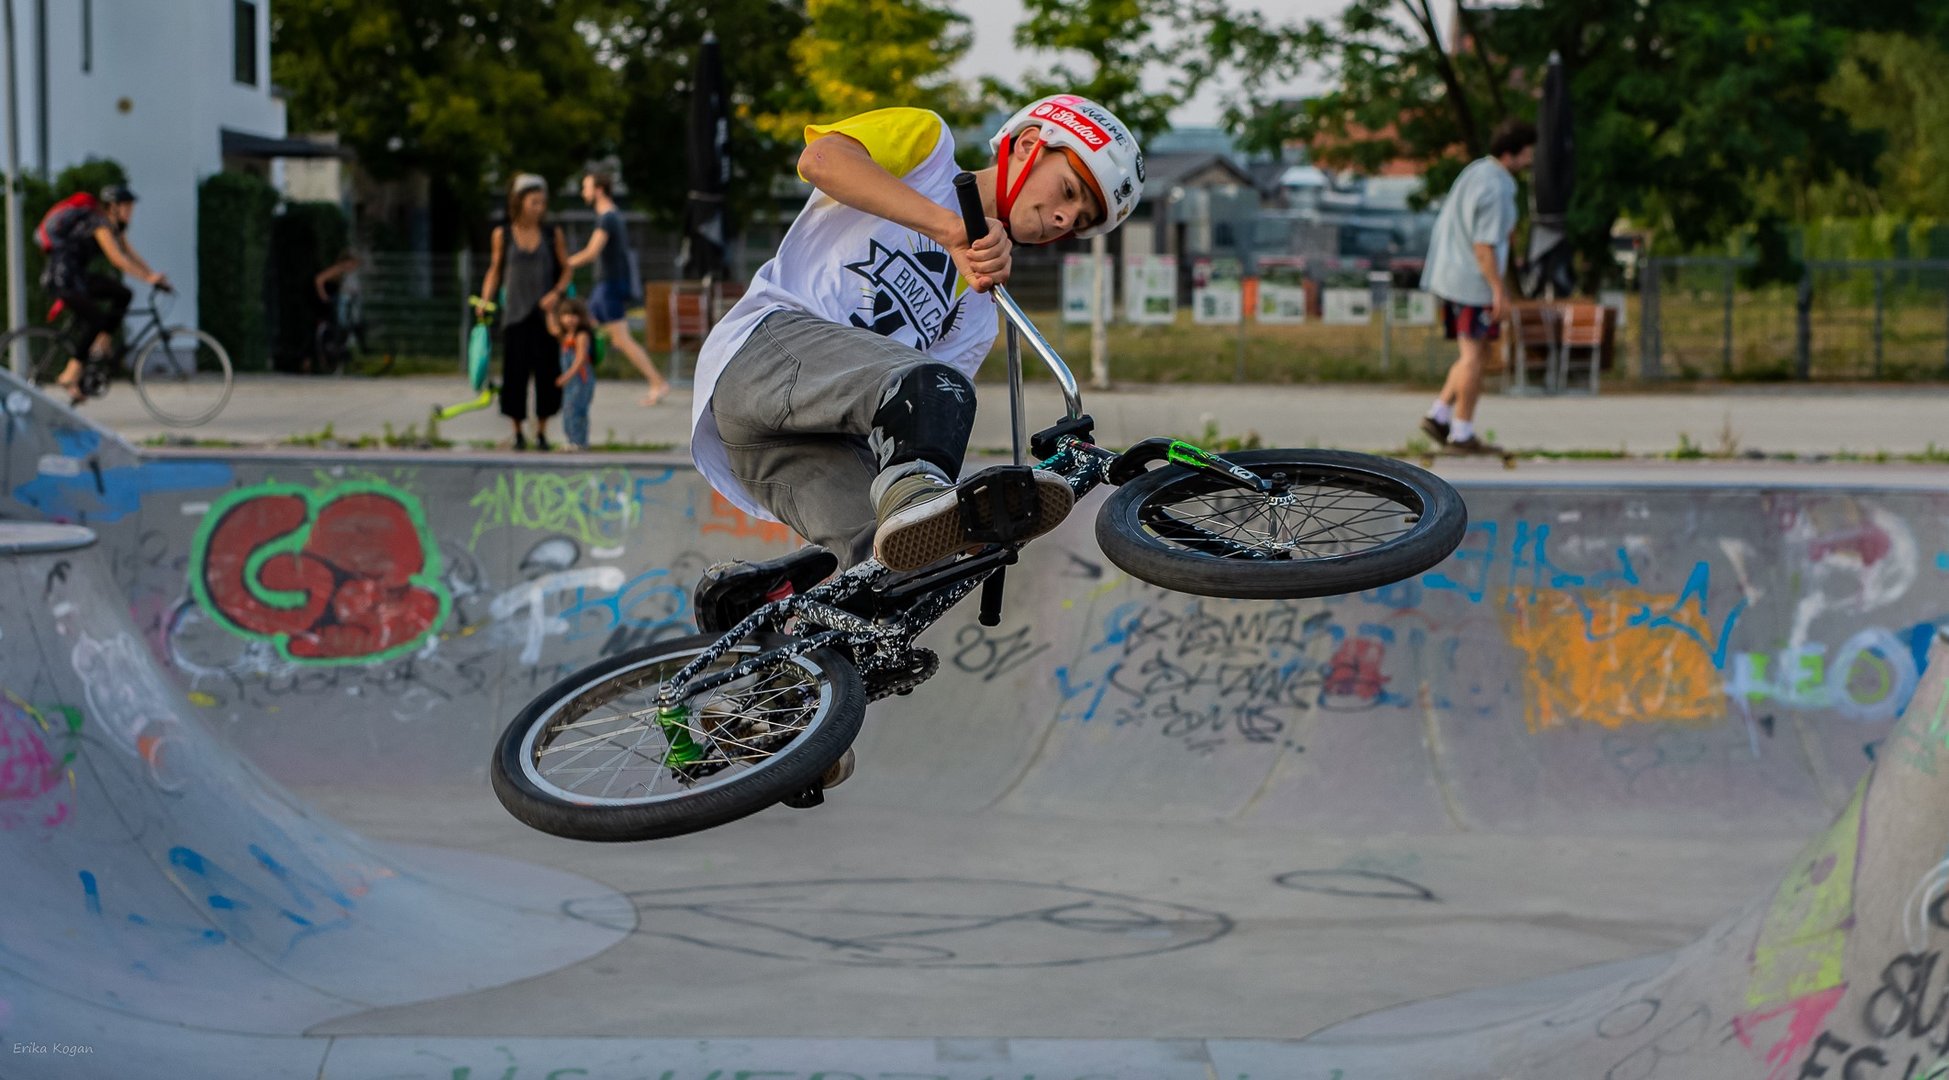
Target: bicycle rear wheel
<point>47,352</point>
<point>183,377</point>
<point>1339,523</point>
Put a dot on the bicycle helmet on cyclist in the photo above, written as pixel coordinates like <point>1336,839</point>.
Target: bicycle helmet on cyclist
<point>114,194</point>
<point>1098,145</point>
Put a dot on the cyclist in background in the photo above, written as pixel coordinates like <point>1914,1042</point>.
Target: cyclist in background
<point>98,301</point>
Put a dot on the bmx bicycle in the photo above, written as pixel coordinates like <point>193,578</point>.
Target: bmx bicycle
<point>694,732</point>
<point>181,374</point>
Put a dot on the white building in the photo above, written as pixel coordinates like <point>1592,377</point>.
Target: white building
<point>165,87</point>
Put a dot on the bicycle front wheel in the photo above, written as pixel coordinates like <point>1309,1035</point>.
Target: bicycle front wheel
<point>46,349</point>
<point>183,377</point>
<point>1337,523</point>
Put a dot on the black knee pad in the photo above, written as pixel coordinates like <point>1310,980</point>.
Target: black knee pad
<point>926,414</point>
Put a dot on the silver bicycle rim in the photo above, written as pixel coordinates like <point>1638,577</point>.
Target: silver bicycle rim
<point>158,393</point>
<point>1311,521</point>
<point>619,750</point>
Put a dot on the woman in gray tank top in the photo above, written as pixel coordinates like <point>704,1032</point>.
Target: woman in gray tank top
<point>530,258</point>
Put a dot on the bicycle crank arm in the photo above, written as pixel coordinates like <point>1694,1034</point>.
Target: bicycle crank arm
<point>1132,463</point>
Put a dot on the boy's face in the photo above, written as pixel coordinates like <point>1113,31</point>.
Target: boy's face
<point>120,213</point>
<point>589,190</point>
<point>1054,201</point>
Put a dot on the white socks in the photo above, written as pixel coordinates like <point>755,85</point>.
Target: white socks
<point>1461,431</point>
<point>1442,412</point>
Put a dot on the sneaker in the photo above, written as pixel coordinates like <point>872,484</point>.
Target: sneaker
<point>1472,445</point>
<point>729,591</point>
<point>1435,429</point>
<point>520,441</point>
<point>921,521</point>
<point>541,443</point>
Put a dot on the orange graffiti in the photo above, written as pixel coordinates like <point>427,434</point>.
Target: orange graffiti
<point>732,521</point>
<point>1593,658</point>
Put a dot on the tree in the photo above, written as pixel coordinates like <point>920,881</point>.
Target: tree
<point>1686,109</point>
<point>1898,86</point>
<point>465,91</point>
<point>857,55</point>
<point>653,45</point>
<point>1130,44</point>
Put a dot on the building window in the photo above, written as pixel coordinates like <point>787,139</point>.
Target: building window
<point>246,67</point>
<point>87,36</point>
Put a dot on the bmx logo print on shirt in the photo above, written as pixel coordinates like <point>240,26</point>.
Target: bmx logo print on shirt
<point>913,292</point>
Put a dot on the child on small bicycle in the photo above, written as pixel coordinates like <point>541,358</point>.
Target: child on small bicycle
<point>837,394</point>
<point>569,321</point>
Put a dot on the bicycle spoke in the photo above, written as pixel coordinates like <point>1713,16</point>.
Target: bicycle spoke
<point>1315,520</point>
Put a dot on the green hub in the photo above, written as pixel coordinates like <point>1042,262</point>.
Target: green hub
<point>675,722</point>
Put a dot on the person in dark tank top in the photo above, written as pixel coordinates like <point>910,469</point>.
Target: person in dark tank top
<point>529,257</point>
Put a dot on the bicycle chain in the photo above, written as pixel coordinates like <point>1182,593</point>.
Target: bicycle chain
<point>919,666</point>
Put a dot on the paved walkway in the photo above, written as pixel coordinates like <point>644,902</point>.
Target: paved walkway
<point>1898,420</point>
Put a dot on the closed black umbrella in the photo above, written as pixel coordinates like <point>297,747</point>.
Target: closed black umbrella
<point>1549,265</point>
<point>708,143</point>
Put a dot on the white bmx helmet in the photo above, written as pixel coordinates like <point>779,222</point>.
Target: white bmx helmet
<point>1111,160</point>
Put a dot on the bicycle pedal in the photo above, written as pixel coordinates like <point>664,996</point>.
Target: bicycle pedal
<point>1000,505</point>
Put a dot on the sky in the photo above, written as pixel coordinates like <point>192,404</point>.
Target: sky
<point>995,53</point>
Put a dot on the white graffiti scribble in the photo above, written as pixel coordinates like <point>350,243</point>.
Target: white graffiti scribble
<point>532,596</point>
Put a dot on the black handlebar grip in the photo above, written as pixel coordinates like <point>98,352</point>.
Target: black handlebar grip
<point>972,216</point>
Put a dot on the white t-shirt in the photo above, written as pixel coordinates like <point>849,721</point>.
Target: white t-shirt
<point>854,269</point>
<point>1479,209</point>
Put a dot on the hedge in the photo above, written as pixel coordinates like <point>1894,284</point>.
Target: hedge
<point>233,241</point>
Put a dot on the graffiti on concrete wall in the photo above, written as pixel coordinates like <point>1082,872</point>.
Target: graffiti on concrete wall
<point>37,750</point>
<point>344,573</point>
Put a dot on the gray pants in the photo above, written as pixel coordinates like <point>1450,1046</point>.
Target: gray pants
<point>794,407</point>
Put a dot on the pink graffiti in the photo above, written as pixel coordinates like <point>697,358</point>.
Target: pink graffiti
<point>1355,670</point>
<point>28,771</point>
<point>1868,543</point>
<point>1804,1023</point>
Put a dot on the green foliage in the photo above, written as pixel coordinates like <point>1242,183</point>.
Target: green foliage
<point>857,55</point>
<point>466,91</point>
<point>305,238</point>
<point>1128,46</point>
<point>1690,113</point>
<point>1896,85</point>
<point>233,234</point>
<point>654,43</point>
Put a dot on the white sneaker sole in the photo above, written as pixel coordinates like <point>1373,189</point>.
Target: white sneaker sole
<point>925,534</point>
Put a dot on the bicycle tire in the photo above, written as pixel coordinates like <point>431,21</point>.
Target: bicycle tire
<point>47,352</point>
<point>169,398</point>
<point>793,768</point>
<point>1433,513</point>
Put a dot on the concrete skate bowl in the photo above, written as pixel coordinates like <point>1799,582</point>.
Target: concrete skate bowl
<point>1127,833</point>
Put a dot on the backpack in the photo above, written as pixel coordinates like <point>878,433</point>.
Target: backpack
<point>63,218</point>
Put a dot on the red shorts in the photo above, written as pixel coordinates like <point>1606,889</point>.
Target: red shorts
<point>1468,321</point>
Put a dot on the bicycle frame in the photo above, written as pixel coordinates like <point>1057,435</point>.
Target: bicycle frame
<point>879,627</point>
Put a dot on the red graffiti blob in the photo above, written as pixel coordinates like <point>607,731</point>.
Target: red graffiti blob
<point>1803,1018</point>
<point>28,771</point>
<point>347,593</point>
<point>1355,670</point>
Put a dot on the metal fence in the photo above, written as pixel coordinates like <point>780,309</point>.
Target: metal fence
<point>1844,319</point>
<point>416,304</point>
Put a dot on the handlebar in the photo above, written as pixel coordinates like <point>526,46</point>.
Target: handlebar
<point>973,217</point>
<point>975,220</point>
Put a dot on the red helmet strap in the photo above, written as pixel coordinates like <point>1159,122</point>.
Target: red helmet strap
<point>1005,192</point>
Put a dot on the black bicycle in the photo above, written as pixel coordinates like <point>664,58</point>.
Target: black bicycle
<point>698,731</point>
<point>339,344</point>
<point>181,374</point>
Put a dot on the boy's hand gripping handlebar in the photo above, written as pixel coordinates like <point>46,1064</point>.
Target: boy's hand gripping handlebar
<point>975,220</point>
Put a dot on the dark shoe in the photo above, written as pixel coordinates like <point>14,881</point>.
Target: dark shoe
<point>924,519</point>
<point>731,590</point>
<point>520,441</point>
<point>541,443</point>
<point>1472,445</point>
<point>1435,429</point>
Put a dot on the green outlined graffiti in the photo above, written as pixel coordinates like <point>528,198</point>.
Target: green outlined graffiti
<point>347,573</point>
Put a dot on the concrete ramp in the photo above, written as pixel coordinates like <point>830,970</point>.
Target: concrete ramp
<point>1486,823</point>
<point>155,879</point>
